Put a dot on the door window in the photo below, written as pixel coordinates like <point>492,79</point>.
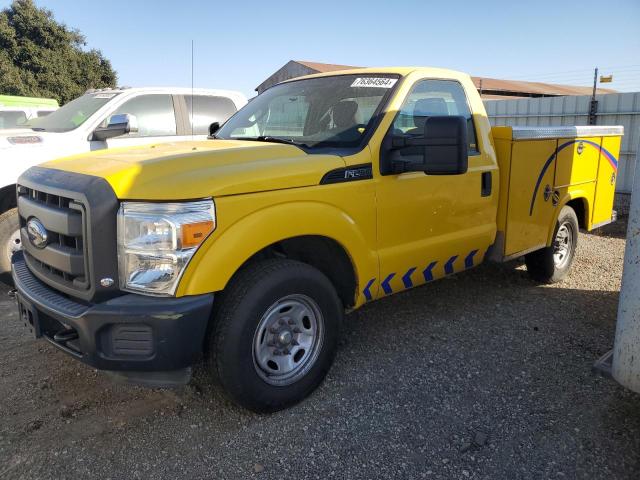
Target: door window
<point>208,109</point>
<point>434,98</point>
<point>154,114</point>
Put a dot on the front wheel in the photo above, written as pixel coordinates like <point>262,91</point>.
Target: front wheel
<point>275,334</point>
<point>552,264</point>
<point>9,239</point>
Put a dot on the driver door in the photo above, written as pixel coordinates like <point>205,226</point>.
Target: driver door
<point>430,226</point>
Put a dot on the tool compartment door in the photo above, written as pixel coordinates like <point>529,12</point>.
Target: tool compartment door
<point>606,185</point>
<point>577,161</point>
<point>576,170</point>
<point>530,210</point>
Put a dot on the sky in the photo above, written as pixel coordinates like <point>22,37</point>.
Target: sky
<point>239,44</point>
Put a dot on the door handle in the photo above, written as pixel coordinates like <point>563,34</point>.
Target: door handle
<point>485,190</point>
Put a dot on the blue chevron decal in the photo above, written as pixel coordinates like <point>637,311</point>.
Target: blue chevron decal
<point>448,267</point>
<point>385,284</point>
<point>406,278</point>
<point>367,292</point>
<point>428,272</point>
<point>468,261</point>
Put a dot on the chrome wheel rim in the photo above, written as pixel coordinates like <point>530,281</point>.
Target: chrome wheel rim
<point>562,245</point>
<point>288,340</point>
<point>13,244</point>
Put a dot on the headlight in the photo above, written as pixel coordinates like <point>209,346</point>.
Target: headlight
<point>157,240</point>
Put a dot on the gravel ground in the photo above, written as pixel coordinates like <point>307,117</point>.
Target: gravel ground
<point>483,375</point>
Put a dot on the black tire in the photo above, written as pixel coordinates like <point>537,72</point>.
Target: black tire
<point>240,312</point>
<point>9,224</point>
<point>543,265</point>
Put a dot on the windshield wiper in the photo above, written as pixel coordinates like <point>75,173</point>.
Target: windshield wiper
<point>267,138</point>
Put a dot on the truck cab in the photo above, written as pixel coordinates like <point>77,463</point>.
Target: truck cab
<point>98,120</point>
<point>322,194</point>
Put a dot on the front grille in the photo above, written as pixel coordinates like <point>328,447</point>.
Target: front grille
<point>63,260</point>
<point>46,198</point>
<point>79,214</point>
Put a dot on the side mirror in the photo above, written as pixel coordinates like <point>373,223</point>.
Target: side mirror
<point>213,128</point>
<point>443,149</point>
<point>119,124</point>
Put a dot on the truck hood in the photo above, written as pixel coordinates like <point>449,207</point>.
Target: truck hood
<point>177,171</point>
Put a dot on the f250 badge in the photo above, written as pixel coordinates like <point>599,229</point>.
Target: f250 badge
<point>357,173</point>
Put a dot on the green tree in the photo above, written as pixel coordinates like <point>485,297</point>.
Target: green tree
<point>40,57</point>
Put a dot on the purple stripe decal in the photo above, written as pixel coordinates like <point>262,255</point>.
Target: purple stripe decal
<point>612,161</point>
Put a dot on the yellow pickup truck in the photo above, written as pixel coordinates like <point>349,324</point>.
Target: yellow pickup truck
<point>322,194</point>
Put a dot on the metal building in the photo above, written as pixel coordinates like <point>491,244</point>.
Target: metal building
<point>298,68</point>
<point>489,88</point>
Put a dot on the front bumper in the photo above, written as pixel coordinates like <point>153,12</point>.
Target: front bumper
<point>130,333</point>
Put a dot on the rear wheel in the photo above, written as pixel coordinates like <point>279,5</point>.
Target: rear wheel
<point>9,239</point>
<point>275,334</point>
<point>552,264</point>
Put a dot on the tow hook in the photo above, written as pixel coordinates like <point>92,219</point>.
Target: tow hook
<point>65,336</point>
<point>12,293</point>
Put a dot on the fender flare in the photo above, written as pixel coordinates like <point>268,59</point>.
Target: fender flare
<point>224,252</point>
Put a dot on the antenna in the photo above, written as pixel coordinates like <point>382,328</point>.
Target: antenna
<point>192,89</point>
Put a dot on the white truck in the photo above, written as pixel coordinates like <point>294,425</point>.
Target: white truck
<point>102,119</point>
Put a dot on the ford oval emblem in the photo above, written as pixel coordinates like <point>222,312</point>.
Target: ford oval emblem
<point>37,233</point>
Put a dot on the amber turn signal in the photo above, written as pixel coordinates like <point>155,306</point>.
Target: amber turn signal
<point>194,233</point>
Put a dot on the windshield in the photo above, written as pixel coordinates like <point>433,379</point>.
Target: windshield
<point>335,111</point>
<point>72,115</point>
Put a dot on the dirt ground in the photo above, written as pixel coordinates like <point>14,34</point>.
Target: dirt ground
<point>483,375</point>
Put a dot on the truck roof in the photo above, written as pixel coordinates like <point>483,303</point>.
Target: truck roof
<point>16,101</point>
<point>233,94</point>
<point>402,71</point>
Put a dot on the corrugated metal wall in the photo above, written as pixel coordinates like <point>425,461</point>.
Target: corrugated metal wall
<point>613,109</point>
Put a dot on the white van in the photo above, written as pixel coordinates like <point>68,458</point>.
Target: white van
<point>103,119</point>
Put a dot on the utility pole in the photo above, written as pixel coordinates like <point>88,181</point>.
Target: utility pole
<point>593,106</point>
<point>626,349</point>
